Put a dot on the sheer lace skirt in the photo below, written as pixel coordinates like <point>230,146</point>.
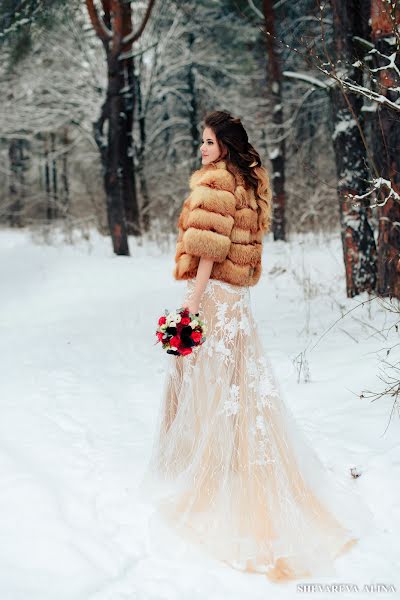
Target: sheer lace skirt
<point>230,469</point>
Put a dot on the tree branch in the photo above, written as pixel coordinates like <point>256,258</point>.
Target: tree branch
<point>98,23</point>
<point>307,79</point>
<point>132,37</point>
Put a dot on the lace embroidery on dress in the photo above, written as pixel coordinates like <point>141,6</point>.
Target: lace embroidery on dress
<point>230,469</point>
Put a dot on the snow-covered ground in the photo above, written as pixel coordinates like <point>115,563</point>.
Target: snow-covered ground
<point>80,386</point>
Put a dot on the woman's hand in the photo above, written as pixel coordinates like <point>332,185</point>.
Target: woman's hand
<point>193,306</point>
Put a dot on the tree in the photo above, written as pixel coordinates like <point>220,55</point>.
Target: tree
<point>347,133</point>
<point>385,22</point>
<point>359,250</point>
<point>277,153</point>
<point>115,30</point>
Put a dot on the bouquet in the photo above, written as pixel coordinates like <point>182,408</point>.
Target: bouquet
<point>180,331</point>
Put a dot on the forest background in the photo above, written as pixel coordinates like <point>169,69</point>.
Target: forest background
<point>102,107</point>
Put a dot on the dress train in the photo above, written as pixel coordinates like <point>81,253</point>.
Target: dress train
<point>230,469</point>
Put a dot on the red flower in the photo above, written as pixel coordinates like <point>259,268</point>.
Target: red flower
<point>159,334</point>
<point>185,321</point>
<point>162,320</point>
<point>196,336</point>
<point>175,341</point>
<point>184,351</point>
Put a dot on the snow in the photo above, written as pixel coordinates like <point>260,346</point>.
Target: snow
<point>274,153</point>
<point>344,125</point>
<point>306,78</point>
<point>381,184</point>
<point>361,90</point>
<point>275,87</point>
<point>80,386</point>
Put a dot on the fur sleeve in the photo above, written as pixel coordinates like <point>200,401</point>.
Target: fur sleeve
<point>211,216</point>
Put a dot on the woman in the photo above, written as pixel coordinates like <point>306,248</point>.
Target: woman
<point>230,470</point>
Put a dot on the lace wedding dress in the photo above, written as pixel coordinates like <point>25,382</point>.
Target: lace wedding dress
<point>230,469</point>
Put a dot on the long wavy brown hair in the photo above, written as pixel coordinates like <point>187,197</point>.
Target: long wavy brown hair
<point>237,151</point>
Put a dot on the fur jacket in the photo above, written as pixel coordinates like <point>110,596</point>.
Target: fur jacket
<point>219,220</point>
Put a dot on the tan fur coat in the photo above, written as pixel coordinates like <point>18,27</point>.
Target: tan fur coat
<point>219,220</point>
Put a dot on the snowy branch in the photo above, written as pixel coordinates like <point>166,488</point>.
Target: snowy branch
<point>307,78</point>
<point>379,185</point>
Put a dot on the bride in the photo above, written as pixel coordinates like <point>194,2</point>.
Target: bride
<point>230,470</point>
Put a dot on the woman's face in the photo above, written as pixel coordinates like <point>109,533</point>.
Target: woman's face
<point>210,149</point>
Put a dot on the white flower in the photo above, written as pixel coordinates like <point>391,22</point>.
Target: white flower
<point>220,347</point>
<point>221,310</point>
<point>244,324</point>
<point>172,324</point>
<point>193,323</point>
<point>178,318</point>
<point>252,367</point>
<point>231,407</point>
<point>234,392</point>
<point>231,327</point>
<point>266,387</point>
<point>260,424</point>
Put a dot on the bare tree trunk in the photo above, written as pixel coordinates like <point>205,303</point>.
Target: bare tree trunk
<point>65,175</point>
<point>17,181</point>
<point>277,145</point>
<point>145,208</point>
<point>117,152</point>
<point>193,115</point>
<point>54,175</point>
<point>47,183</point>
<point>127,150</point>
<point>171,150</point>
<point>113,166</point>
<point>359,250</point>
<point>385,19</point>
